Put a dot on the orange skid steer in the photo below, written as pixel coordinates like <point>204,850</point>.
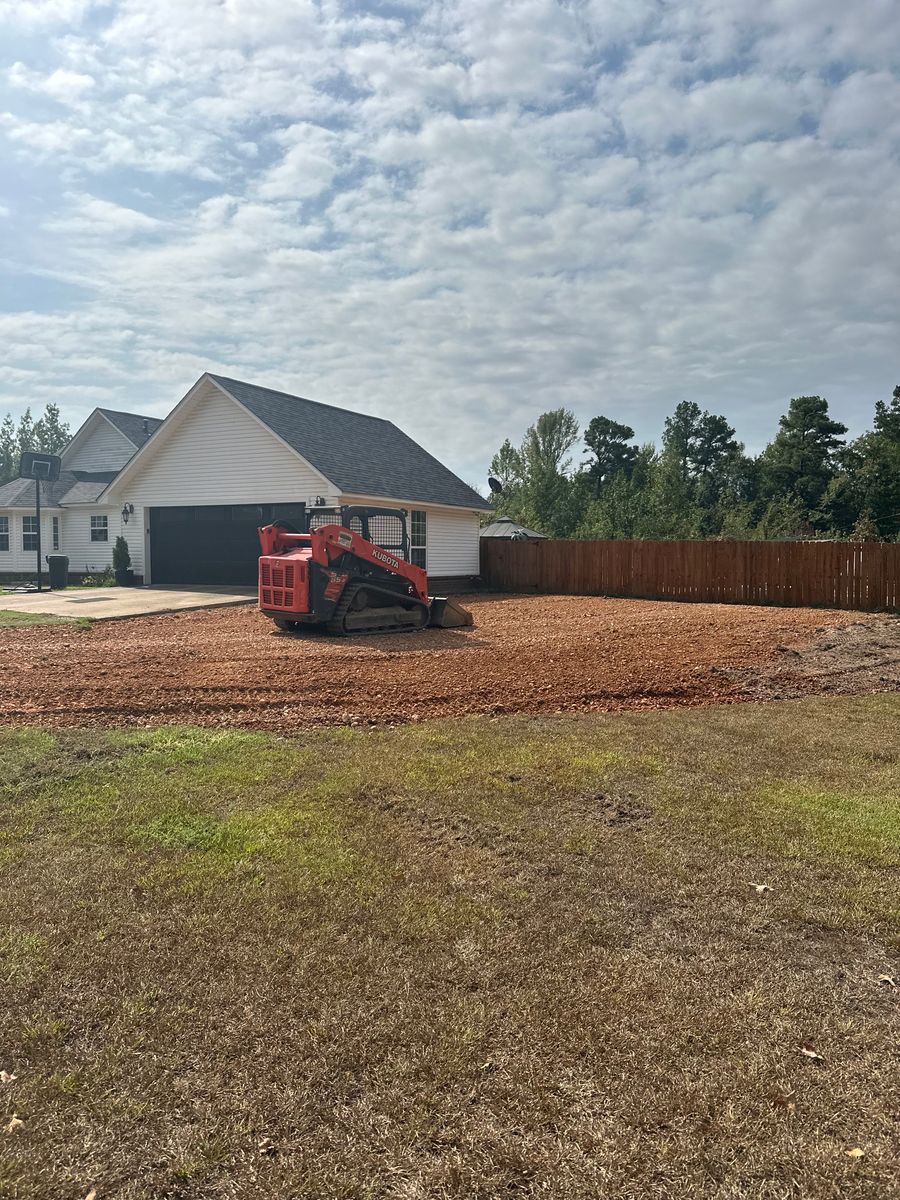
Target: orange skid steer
<point>348,572</point>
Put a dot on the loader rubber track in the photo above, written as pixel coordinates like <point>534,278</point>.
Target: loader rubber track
<point>375,620</point>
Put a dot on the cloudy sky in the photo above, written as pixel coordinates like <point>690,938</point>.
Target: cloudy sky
<point>456,215</point>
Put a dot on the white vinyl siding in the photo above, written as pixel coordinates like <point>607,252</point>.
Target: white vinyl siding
<point>215,452</point>
<point>453,542</point>
<point>15,559</point>
<point>100,448</point>
<point>85,555</point>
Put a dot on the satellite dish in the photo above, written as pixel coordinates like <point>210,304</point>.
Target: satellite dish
<point>495,485</point>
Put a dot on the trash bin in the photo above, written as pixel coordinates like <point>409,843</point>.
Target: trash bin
<point>59,570</point>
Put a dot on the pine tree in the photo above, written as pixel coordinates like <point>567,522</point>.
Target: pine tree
<point>887,417</point>
<point>613,455</point>
<point>9,450</point>
<point>51,433</point>
<point>25,432</point>
<point>801,460</point>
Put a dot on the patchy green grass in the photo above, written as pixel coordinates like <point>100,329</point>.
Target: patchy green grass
<point>517,956</point>
<point>11,619</point>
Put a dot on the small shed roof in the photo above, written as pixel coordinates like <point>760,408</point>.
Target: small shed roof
<point>506,527</point>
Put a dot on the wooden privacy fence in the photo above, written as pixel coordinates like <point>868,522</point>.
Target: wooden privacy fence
<point>862,575</point>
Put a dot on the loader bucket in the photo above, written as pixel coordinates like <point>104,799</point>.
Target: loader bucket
<point>447,613</point>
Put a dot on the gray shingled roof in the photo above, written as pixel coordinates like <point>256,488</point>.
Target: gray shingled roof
<point>88,486</point>
<point>361,455</point>
<point>506,527</point>
<point>132,424</point>
<point>72,487</point>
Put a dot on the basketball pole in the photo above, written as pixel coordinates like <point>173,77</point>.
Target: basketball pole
<point>37,510</point>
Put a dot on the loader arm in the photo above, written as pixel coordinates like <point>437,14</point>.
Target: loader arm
<point>331,543</point>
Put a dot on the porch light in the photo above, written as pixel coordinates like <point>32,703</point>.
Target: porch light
<point>127,510</point>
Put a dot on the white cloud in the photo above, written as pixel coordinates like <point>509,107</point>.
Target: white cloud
<point>95,218</point>
<point>484,210</point>
<point>32,14</point>
<point>66,86</point>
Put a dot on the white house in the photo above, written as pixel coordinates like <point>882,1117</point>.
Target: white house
<point>189,492</point>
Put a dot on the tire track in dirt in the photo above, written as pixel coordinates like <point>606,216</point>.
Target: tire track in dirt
<point>535,654</point>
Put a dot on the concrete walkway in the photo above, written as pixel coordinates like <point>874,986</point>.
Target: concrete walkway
<point>116,603</point>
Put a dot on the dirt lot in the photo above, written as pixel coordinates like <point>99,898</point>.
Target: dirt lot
<point>525,654</point>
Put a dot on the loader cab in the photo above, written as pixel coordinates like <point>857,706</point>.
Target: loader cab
<point>384,527</point>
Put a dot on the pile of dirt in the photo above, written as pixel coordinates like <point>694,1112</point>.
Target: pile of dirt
<point>532,654</point>
<point>863,656</point>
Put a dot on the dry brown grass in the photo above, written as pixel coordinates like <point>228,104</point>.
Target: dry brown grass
<point>514,957</point>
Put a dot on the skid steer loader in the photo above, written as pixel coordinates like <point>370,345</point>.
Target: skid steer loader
<point>348,572</point>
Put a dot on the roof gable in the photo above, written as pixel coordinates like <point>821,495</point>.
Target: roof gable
<point>132,425</point>
<point>360,454</point>
<point>107,439</point>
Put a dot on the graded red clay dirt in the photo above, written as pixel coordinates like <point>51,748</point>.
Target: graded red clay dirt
<point>524,654</point>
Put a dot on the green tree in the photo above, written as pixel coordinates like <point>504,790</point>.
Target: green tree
<point>785,517</point>
<point>612,454</point>
<point>51,433</point>
<point>877,468</point>
<point>507,466</point>
<point>623,509</point>
<point>538,487</point>
<point>548,441</point>
<point>9,450</point>
<point>801,460</point>
<point>713,454</point>
<point>887,417</point>
<point>25,439</point>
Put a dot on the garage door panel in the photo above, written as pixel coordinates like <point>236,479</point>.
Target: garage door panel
<point>215,544</point>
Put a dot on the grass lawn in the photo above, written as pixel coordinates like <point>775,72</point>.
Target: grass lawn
<point>509,957</point>
<point>10,619</point>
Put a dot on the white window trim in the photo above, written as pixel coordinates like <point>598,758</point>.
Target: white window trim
<point>99,517</point>
<point>420,545</point>
<point>26,532</point>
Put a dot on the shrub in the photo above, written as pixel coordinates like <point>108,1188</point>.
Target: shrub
<point>104,578</point>
<point>121,556</point>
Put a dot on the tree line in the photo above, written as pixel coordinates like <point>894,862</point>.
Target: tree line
<point>49,434</point>
<point>808,482</point>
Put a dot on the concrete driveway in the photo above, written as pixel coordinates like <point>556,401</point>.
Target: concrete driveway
<point>116,603</point>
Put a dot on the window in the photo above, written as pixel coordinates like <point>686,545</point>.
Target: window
<point>418,537</point>
<point>4,534</point>
<point>99,529</point>
<point>29,533</point>
<point>56,533</point>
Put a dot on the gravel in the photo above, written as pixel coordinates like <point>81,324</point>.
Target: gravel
<point>534,654</point>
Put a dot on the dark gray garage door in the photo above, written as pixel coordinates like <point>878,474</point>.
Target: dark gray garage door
<point>211,543</point>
